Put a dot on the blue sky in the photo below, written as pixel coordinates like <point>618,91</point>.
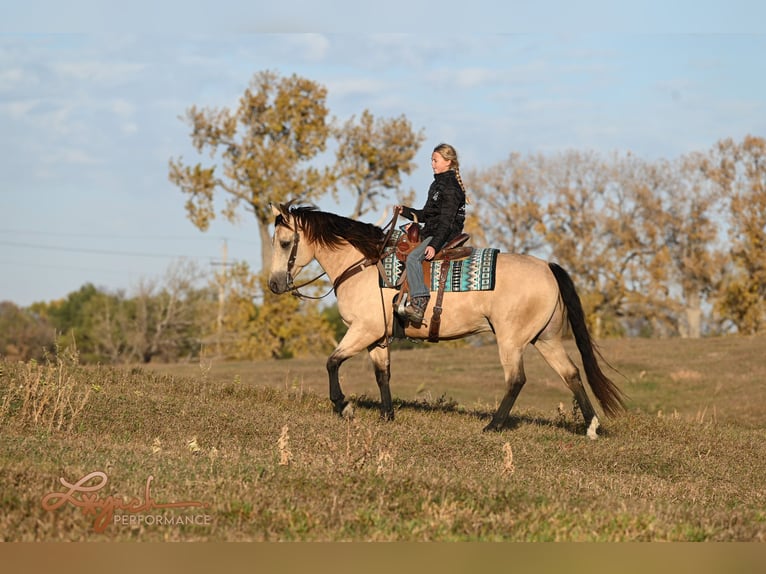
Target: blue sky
<point>89,111</point>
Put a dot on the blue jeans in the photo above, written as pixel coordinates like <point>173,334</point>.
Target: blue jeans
<point>414,265</point>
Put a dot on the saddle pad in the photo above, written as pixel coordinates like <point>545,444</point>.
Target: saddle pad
<point>474,273</point>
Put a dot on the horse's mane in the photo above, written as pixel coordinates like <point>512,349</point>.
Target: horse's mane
<point>331,230</point>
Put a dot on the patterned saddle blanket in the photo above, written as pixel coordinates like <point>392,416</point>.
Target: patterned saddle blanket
<point>474,273</point>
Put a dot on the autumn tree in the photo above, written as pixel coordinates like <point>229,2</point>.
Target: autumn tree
<point>265,149</point>
<point>273,328</point>
<point>372,155</point>
<point>640,236</point>
<point>507,205</point>
<point>163,319</point>
<point>590,223</point>
<point>628,242</point>
<point>73,319</point>
<point>108,328</point>
<point>741,170</point>
<point>269,151</point>
<point>24,334</point>
<point>688,252</point>
<point>168,315</point>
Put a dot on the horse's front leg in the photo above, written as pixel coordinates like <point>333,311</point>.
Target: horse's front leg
<point>340,405</point>
<point>357,339</point>
<point>381,360</point>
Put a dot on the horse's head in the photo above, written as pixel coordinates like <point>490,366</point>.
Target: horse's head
<point>290,252</point>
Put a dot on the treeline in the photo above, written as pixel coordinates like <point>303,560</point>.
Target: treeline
<point>670,247</point>
<point>658,248</point>
<point>183,316</point>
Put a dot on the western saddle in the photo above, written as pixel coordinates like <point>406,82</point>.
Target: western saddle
<point>451,251</point>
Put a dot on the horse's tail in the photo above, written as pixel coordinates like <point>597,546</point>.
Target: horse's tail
<point>607,393</point>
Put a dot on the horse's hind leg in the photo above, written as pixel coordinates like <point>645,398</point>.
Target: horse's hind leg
<point>381,361</point>
<point>556,356</point>
<point>513,367</point>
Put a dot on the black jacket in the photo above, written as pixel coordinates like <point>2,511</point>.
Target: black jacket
<point>443,215</point>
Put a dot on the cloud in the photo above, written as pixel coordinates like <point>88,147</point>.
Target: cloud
<point>346,87</point>
<point>468,78</point>
<point>71,156</point>
<point>313,46</point>
<point>12,78</point>
<point>122,107</point>
<point>98,72</point>
<point>18,109</point>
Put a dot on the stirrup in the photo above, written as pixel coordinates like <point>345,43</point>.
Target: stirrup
<point>414,314</point>
<point>403,302</point>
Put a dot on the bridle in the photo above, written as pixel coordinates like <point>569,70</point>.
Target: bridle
<point>294,289</point>
<point>349,272</point>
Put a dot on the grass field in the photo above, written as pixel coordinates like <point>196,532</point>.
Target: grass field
<point>252,451</point>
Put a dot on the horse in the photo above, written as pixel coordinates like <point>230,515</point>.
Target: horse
<point>531,303</point>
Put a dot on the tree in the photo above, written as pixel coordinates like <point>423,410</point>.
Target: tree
<point>635,226</point>
<point>268,150</point>
<point>167,319</point>
<point>640,235</point>
<point>589,226</point>
<point>507,210</point>
<point>277,327</point>
<point>24,335</point>
<point>265,148</point>
<point>109,325</point>
<point>741,169</point>
<point>689,200</point>
<point>371,156</point>
<point>73,319</point>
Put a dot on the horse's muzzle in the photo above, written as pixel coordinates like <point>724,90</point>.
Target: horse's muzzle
<point>278,283</point>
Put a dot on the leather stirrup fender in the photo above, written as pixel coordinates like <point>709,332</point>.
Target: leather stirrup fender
<point>436,317</point>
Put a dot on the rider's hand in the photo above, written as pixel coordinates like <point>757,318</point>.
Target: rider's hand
<point>429,253</point>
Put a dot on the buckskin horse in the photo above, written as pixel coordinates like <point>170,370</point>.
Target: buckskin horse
<point>531,302</point>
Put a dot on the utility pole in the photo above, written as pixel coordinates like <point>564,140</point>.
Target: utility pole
<point>221,279</point>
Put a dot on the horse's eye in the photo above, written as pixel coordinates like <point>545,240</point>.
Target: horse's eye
<point>285,243</point>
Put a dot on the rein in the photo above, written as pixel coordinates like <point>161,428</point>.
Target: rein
<point>349,272</point>
<point>290,263</point>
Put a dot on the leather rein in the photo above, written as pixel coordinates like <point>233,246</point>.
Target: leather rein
<point>349,272</point>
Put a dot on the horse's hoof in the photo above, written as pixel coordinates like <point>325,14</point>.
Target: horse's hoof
<point>593,429</point>
<point>492,427</point>
<point>347,412</point>
<point>387,415</point>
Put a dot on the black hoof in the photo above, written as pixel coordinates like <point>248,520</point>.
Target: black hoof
<point>387,415</point>
<point>338,408</point>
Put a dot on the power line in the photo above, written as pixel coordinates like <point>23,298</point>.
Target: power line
<point>100,235</point>
<point>132,237</point>
<point>122,271</point>
<point>101,251</point>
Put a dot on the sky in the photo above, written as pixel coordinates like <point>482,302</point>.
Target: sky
<point>90,105</point>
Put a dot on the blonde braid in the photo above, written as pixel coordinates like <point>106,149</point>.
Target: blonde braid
<point>462,185</point>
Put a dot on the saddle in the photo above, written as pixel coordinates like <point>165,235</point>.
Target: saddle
<point>451,251</point>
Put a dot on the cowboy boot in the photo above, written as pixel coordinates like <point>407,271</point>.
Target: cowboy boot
<point>416,308</point>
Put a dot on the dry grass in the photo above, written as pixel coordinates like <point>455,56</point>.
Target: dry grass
<point>48,396</point>
<point>259,445</point>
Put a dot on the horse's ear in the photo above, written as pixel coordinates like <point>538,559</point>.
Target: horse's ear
<point>281,213</point>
